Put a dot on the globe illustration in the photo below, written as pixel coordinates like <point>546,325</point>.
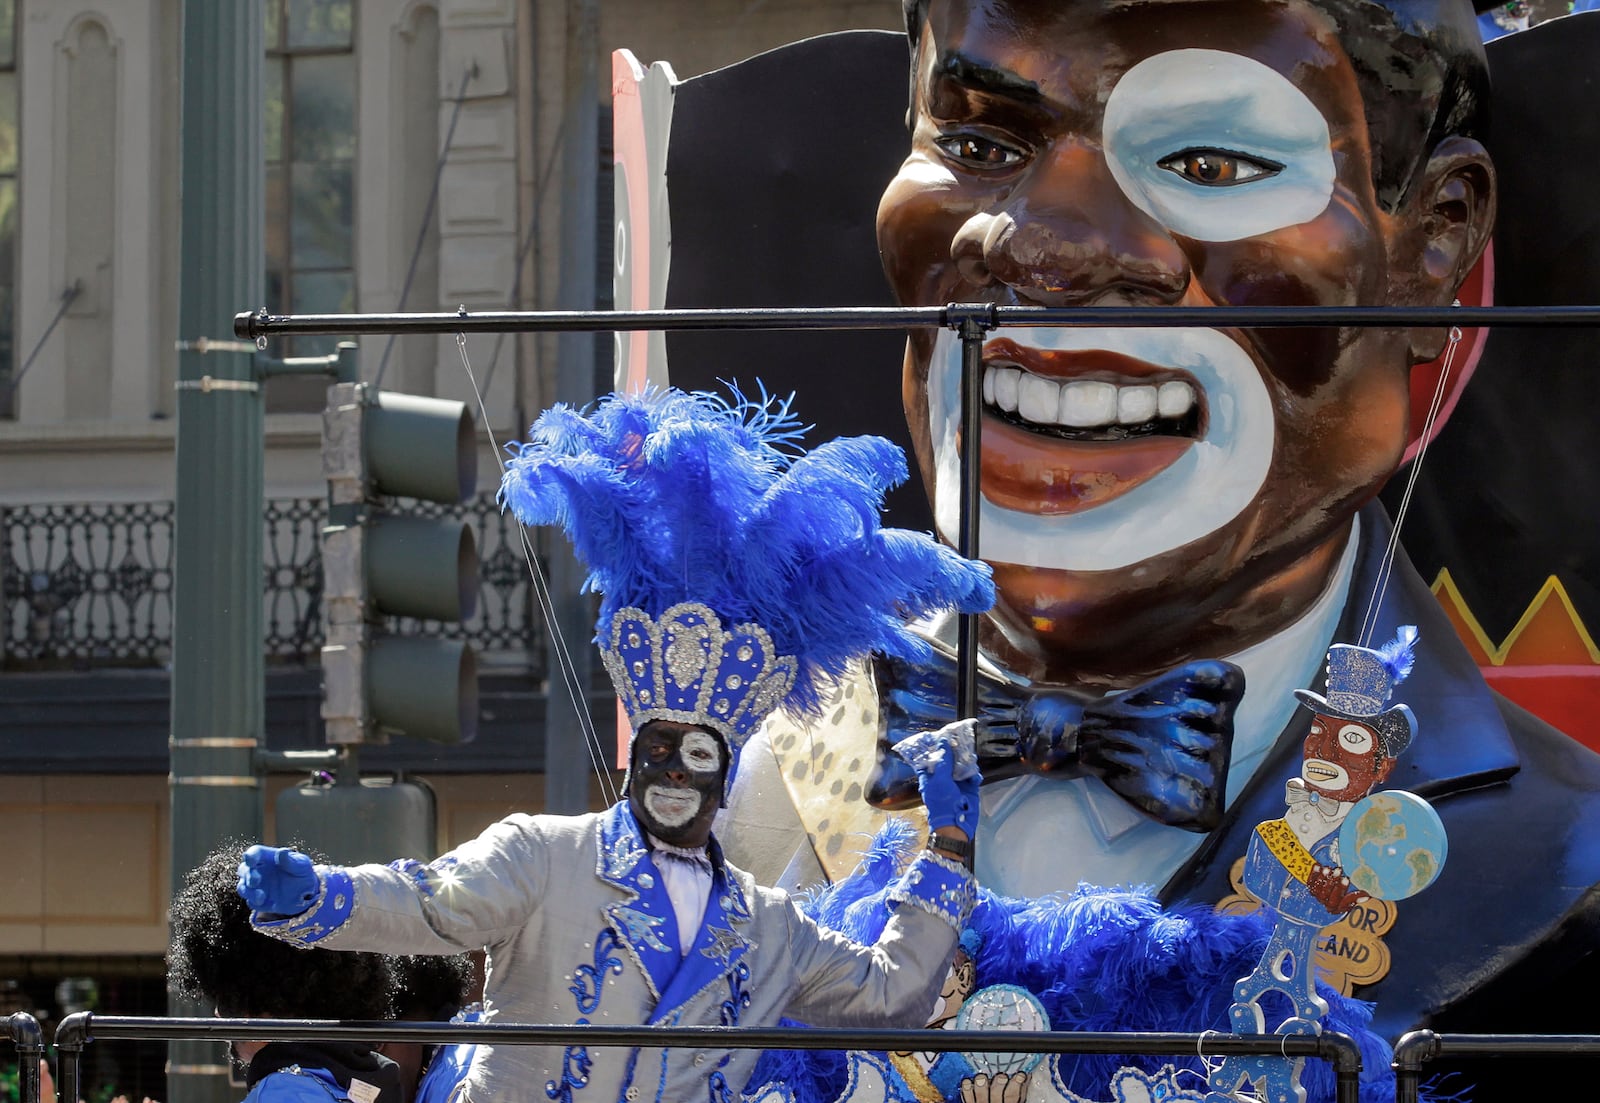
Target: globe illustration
<point>1392,845</point>
<point>1003,1007</point>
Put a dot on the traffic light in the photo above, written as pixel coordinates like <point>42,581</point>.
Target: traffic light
<point>379,563</point>
<point>352,819</point>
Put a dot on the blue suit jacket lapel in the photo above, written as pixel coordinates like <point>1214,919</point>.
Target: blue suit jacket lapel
<point>1461,745</point>
<point>718,949</point>
<point>643,918</point>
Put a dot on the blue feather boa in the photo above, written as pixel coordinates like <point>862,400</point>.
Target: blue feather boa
<point>1098,960</point>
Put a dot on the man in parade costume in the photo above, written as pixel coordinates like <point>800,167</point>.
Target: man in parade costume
<point>736,577</point>
<point>1154,497</point>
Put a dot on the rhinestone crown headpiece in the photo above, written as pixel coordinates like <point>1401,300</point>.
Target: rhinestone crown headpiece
<point>686,666</point>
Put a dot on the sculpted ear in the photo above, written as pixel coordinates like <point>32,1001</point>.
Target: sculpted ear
<point>1453,211</point>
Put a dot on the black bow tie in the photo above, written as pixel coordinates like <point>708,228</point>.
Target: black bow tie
<point>1162,746</point>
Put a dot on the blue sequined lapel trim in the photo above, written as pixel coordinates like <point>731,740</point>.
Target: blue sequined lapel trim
<point>718,947</point>
<point>643,919</point>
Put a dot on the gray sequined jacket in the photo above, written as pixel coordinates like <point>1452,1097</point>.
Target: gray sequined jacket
<point>579,928</point>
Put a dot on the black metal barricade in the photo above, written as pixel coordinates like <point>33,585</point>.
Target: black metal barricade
<point>1411,1055</point>
<point>1415,1049</point>
<point>23,1030</point>
<point>77,1030</point>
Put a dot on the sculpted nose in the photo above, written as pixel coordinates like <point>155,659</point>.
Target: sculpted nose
<point>1066,235</point>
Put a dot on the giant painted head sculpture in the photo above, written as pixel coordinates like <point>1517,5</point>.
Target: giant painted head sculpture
<point>1155,494</point>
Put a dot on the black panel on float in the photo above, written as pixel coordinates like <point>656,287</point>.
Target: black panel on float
<point>774,169</point>
<point>1506,496</point>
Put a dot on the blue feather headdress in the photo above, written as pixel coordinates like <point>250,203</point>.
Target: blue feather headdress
<point>738,573</point>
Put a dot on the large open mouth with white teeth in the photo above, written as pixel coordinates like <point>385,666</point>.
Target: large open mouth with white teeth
<point>1090,409</point>
<point>1087,433</point>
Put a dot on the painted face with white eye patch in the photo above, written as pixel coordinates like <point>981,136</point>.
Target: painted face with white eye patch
<point>675,783</point>
<point>1343,759</point>
<point>1148,494</point>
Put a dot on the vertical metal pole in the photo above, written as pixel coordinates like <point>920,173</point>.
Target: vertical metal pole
<point>567,764</point>
<point>1411,1052</point>
<point>218,695</point>
<point>971,328</point>
<point>71,1034</point>
<point>24,1032</point>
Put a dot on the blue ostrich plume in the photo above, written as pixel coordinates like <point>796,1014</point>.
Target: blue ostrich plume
<point>1399,654</point>
<point>672,498</point>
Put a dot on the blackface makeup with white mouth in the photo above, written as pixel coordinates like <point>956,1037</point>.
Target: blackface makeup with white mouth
<point>1324,775</point>
<point>672,807</point>
<point>1088,433</point>
<point>1161,154</point>
<point>1342,759</point>
<point>676,781</point>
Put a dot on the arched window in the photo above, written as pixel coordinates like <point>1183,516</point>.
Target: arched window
<point>87,217</point>
<point>310,153</point>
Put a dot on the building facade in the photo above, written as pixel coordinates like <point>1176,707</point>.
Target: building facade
<point>416,158</point>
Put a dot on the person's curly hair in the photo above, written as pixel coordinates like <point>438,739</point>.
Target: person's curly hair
<point>432,987</point>
<point>216,956</point>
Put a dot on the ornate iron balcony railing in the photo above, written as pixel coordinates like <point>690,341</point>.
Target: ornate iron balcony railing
<point>85,585</point>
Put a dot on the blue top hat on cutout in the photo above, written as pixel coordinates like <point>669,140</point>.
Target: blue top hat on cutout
<point>1360,682</point>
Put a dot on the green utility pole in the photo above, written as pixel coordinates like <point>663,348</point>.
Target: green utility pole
<point>217,670</point>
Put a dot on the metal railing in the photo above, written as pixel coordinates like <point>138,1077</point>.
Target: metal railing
<point>971,322</point>
<point>1339,1050</point>
<point>260,324</point>
<point>23,1030</point>
<point>1411,1055</point>
<point>90,585</point>
<point>1415,1049</point>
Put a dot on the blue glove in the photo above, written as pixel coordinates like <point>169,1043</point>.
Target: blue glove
<point>278,881</point>
<point>950,803</point>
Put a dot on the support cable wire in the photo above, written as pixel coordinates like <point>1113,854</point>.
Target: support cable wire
<point>541,588</point>
<point>427,213</point>
<point>559,647</point>
<point>1369,622</point>
<point>558,643</point>
<point>69,295</point>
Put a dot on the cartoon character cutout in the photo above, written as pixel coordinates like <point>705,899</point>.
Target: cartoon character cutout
<point>934,1077</point>
<point>1337,845</point>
